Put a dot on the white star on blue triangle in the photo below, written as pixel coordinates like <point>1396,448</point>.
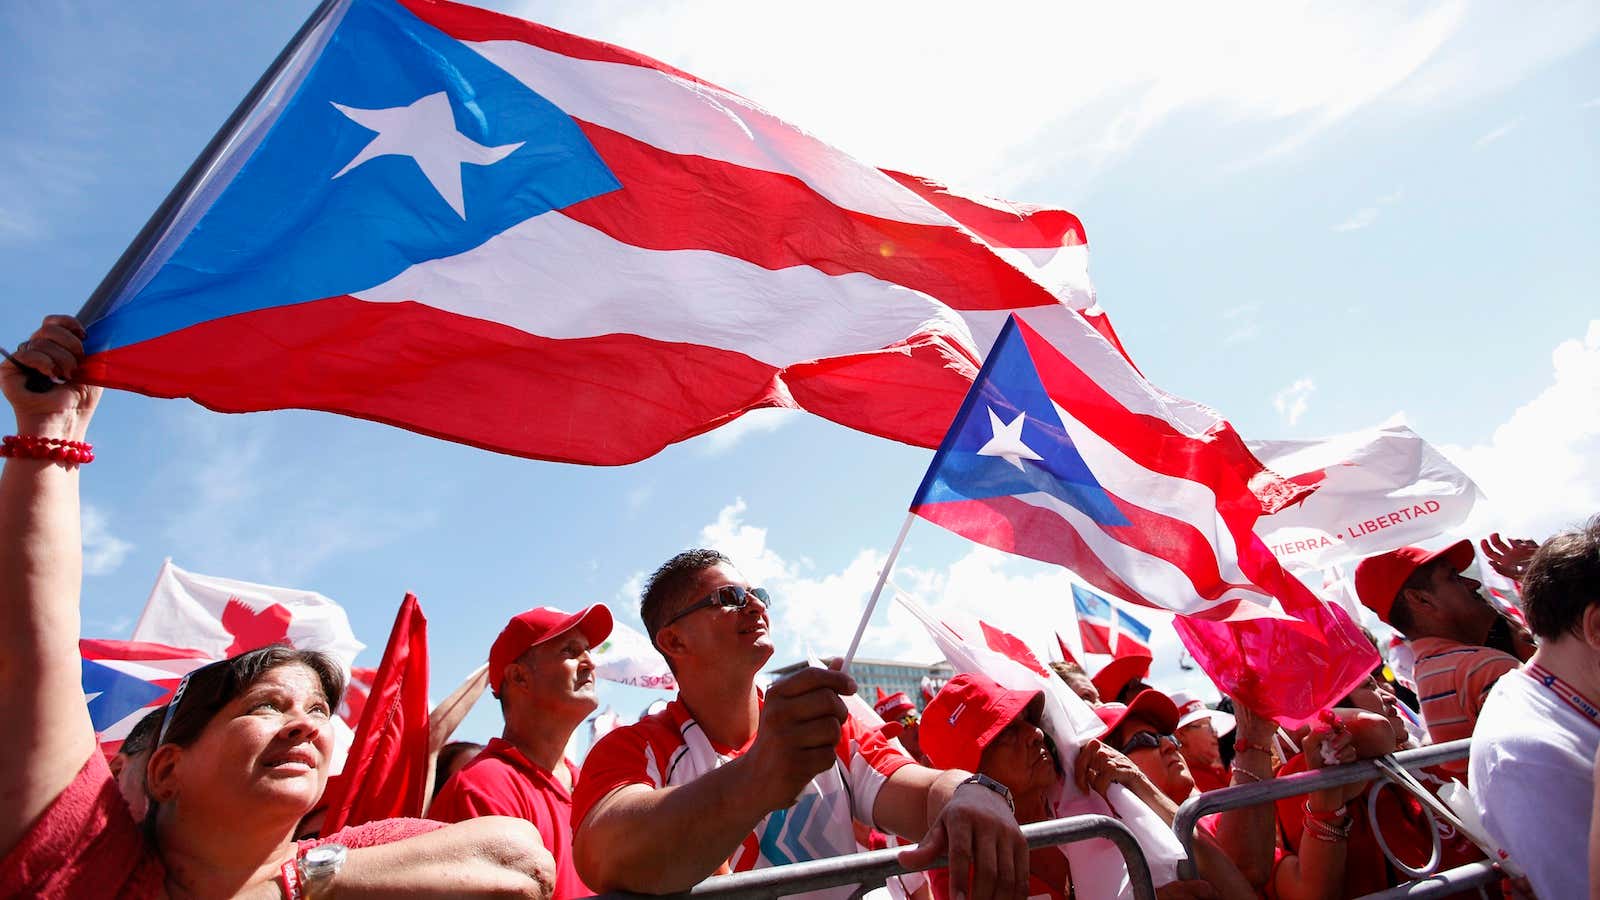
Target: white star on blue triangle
<point>1008,440</point>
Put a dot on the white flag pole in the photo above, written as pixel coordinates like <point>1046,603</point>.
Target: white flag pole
<point>872,602</point>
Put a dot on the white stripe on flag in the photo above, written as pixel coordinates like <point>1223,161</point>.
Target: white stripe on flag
<point>1173,497</point>
<point>779,317</point>
<point>1152,576</point>
<point>1077,340</point>
<point>680,116</point>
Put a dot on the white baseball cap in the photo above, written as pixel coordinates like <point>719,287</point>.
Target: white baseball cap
<point>1191,710</point>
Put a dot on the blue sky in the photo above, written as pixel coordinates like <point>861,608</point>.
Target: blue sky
<point>1309,219</point>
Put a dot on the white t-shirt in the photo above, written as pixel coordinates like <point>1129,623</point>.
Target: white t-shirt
<point>1532,776</point>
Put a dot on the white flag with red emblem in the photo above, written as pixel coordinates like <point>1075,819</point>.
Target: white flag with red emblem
<point>222,617</point>
<point>1376,490</point>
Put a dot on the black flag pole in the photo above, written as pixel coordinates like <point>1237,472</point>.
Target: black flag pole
<point>154,229</point>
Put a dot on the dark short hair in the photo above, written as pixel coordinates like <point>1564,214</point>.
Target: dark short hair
<point>212,687</point>
<point>1563,581</point>
<point>664,591</point>
<point>447,758</point>
<point>143,734</point>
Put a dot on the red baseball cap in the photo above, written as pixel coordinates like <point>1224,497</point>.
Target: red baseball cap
<point>1115,675</point>
<point>893,706</point>
<point>1150,705</point>
<point>539,625</point>
<point>966,715</point>
<point>1378,578</point>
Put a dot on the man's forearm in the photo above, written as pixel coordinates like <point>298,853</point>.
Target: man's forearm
<point>667,839</point>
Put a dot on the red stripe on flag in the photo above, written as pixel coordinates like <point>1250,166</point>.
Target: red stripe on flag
<point>1096,638</point>
<point>1220,460</point>
<point>680,202</point>
<point>96,648</point>
<point>385,362</point>
<point>470,23</point>
<point>1176,541</point>
<point>1002,222</point>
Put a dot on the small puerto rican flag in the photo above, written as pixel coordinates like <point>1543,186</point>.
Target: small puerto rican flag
<point>124,680</point>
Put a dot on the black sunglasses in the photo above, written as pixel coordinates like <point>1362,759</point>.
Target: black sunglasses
<point>729,596</point>
<point>177,697</point>
<point>1149,740</point>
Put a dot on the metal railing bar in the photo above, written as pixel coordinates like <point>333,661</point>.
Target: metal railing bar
<point>878,865</point>
<point>1193,809</point>
<point>1443,884</point>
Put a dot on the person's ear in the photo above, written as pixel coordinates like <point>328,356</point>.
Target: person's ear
<point>1589,626</point>
<point>1416,599</point>
<point>670,642</point>
<point>161,773</point>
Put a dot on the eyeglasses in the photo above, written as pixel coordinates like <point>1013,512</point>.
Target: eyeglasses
<point>1149,740</point>
<point>729,596</point>
<point>177,697</point>
<point>909,720</point>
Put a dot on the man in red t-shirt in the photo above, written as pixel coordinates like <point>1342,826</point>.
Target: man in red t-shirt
<point>728,778</point>
<point>539,668</point>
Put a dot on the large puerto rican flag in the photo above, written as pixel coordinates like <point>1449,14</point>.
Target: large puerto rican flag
<point>1096,475</point>
<point>487,230</point>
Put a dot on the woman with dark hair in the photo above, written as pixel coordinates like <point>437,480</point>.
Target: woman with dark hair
<point>242,750</point>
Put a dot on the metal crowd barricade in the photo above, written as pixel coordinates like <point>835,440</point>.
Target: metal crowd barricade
<point>1437,884</point>
<point>872,868</point>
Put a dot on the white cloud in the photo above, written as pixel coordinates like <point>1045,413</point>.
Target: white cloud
<point>1361,219</point>
<point>819,611</point>
<point>756,421</point>
<point>1246,324</point>
<point>1292,402</point>
<point>103,552</point>
<point>995,97</point>
<point>1368,214</point>
<point>638,497</point>
<point>1495,135</point>
<point>1540,470</point>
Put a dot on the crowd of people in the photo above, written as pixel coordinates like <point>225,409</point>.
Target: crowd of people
<point>210,794</point>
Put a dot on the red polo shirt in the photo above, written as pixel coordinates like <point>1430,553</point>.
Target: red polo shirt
<point>503,782</point>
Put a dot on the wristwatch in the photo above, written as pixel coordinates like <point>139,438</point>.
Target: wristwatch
<point>318,866</point>
<point>997,787</point>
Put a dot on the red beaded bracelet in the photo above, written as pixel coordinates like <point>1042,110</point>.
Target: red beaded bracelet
<point>33,446</point>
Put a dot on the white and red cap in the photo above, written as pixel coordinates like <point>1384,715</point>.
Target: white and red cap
<point>539,625</point>
<point>892,707</point>
<point>1192,709</point>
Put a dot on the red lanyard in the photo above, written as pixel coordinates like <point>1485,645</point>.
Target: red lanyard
<point>1568,694</point>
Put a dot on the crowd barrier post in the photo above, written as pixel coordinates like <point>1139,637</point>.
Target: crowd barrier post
<point>1437,884</point>
<point>874,867</point>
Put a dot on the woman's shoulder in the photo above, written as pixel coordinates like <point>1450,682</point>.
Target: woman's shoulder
<point>85,843</point>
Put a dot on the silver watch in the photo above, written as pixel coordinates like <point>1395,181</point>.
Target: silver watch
<point>318,866</point>
<point>997,787</point>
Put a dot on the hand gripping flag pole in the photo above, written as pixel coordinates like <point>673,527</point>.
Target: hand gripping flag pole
<point>877,590</point>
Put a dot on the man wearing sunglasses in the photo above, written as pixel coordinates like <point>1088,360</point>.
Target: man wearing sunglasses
<point>729,778</point>
<point>1145,732</point>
